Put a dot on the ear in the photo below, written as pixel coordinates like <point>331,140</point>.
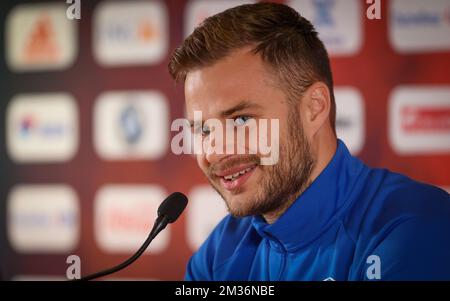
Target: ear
<point>316,106</point>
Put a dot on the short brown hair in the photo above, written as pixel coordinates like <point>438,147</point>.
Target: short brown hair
<point>287,43</point>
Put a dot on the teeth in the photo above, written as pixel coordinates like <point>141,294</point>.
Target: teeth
<point>234,176</point>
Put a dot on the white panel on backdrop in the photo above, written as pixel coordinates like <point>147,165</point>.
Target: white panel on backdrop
<point>199,10</point>
<point>338,22</point>
<point>43,218</point>
<point>419,26</point>
<point>419,119</point>
<point>40,37</point>
<point>131,125</point>
<point>350,118</point>
<point>205,210</point>
<point>130,32</point>
<point>42,128</point>
<point>124,216</point>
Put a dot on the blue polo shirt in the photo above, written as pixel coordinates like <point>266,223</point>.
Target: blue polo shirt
<point>352,223</point>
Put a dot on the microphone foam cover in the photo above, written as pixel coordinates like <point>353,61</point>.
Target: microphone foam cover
<point>173,206</point>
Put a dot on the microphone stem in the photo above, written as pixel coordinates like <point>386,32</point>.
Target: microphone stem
<point>159,225</point>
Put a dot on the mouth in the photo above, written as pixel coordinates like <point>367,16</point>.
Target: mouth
<point>233,178</point>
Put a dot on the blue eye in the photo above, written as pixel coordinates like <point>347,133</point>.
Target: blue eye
<point>205,130</point>
<point>241,120</point>
<point>200,129</point>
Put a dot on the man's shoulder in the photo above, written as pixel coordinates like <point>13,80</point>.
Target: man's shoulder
<point>399,219</point>
<point>388,199</point>
<point>398,194</point>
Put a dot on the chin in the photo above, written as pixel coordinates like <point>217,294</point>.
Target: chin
<point>238,205</point>
<point>238,200</point>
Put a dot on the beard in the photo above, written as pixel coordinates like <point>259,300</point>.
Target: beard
<point>280,184</point>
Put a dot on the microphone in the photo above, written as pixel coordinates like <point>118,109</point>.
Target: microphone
<point>168,212</point>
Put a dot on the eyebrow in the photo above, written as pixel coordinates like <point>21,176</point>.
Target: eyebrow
<point>243,105</point>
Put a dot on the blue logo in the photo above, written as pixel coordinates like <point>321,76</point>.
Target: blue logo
<point>323,13</point>
<point>131,125</point>
<point>44,220</point>
<point>420,18</point>
<point>118,32</point>
<point>423,18</point>
<point>30,125</point>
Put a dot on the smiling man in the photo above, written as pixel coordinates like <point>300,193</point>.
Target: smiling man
<point>318,213</point>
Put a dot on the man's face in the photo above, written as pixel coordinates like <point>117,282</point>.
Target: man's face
<point>240,87</point>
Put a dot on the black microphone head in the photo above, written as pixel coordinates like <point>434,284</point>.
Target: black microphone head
<point>173,206</point>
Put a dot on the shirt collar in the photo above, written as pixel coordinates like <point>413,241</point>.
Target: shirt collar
<point>318,206</point>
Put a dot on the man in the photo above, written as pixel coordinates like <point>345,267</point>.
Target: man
<point>318,213</point>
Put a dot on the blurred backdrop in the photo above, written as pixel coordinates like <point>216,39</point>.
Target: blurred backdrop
<point>86,107</point>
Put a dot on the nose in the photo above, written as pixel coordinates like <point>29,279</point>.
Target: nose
<point>220,148</point>
<point>214,155</point>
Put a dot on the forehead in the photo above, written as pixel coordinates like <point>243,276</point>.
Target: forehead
<point>241,76</point>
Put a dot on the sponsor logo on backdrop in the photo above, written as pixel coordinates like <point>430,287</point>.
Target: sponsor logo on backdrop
<point>40,37</point>
<point>350,118</point>
<point>205,210</point>
<point>419,26</point>
<point>131,32</point>
<point>338,22</point>
<point>131,125</point>
<point>42,128</point>
<point>124,216</point>
<point>199,10</point>
<point>43,218</point>
<point>419,120</point>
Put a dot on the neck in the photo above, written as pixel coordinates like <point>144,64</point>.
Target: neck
<point>273,216</point>
<point>324,152</point>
